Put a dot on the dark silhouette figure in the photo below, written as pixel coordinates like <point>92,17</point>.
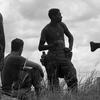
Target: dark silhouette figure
<point>94,46</point>
<point>58,60</point>
<point>16,73</point>
<point>2,42</point>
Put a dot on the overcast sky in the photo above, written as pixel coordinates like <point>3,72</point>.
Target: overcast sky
<point>26,18</point>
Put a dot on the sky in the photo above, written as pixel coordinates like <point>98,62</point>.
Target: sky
<point>26,18</point>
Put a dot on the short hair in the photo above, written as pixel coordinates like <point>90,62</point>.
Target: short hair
<point>16,44</point>
<point>53,12</point>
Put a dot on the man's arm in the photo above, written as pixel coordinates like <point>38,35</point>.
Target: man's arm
<point>69,35</point>
<point>2,42</point>
<point>42,45</point>
<point>2,36</point>
<point>31,65</point>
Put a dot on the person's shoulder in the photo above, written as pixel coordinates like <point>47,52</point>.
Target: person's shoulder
<point>0,15</point>
<point>17,57</point>
<point>45,29</point>
<point>63,24</point>
<point>21,57</point>
<point>8,57</point>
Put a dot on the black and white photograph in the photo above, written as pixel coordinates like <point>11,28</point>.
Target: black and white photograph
<point>49,50</point>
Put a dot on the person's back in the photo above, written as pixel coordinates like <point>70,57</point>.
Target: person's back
<point>10,73</point>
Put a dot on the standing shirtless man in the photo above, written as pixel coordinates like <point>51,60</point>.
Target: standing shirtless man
<point>57,64</point>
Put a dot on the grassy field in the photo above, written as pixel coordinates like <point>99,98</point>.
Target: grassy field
<point>89,89</point>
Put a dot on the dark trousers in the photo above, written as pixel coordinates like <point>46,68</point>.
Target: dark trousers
<point>58,69</point>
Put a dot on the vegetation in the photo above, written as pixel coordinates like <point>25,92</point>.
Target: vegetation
<point>89,89</point>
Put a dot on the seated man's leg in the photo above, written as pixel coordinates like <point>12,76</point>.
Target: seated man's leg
<point>36,80</point>
<point>24,81</point>
<point>70,76</point>
<point>6,87</point>
<point>6,83</point>
<point>1,60</point>
<point>22,86</point>
<point>53,80</point>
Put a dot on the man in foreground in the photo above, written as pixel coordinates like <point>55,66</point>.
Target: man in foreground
<point>57,64</point>
<point>2,42</point>
<point>14,67</point>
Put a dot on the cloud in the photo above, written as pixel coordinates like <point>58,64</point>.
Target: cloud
<point>37,10</point>
<point>26,18</point>
<point>31,44</point>
<point>79,10</point>
<point>33,10</point>
<point>27,15</point>
<point>85,60</point>
<point>93,3</point>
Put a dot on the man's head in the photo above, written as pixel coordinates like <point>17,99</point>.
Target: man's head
<point>17,45</point>
<point>55,15</point>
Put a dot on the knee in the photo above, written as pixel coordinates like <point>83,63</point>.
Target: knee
<point>36,77</point>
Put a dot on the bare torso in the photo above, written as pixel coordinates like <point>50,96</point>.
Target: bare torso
<point>55,34</point>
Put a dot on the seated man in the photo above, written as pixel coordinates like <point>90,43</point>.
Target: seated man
<point>15,68</point>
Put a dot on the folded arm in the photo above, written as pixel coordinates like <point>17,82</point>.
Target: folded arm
<point>31,65</point>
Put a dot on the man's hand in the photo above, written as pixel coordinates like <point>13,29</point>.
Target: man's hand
<point>67,49</point>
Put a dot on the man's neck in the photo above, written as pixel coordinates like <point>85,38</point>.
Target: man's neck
<point>15,53</point>
<point>53,23</point>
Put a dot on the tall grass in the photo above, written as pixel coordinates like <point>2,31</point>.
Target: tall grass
<point>88,89</point>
